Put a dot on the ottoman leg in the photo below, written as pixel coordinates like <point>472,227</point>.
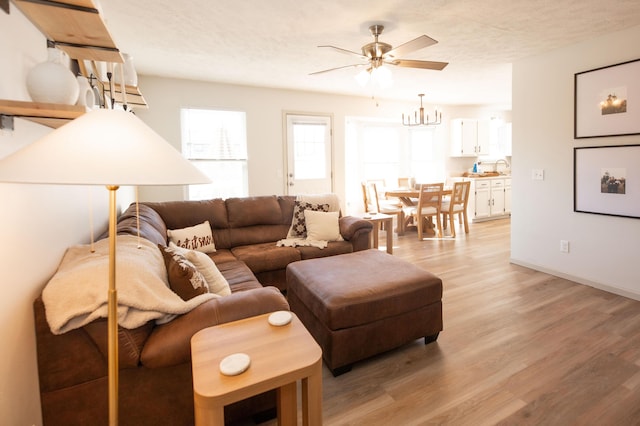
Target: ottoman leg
<point>432,338</point>
<point>341,370</point>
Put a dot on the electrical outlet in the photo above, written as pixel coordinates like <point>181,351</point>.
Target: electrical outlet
<point>564,246</point>
<point>537,174</point>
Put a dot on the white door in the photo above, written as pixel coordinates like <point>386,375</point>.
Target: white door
<point>309,154</point>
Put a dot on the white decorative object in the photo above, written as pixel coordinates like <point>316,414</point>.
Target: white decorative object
<point>235,364</point>
<point>280,318</point>
<point>130,75</point>
<point>86,96</point>
<point>52,82</point>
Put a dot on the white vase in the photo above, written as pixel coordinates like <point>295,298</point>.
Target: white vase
<point>52,82</point>
<point>130,75</point>
<point>86,96</point>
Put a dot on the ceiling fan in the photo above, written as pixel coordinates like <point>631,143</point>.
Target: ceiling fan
<point>378,53</point>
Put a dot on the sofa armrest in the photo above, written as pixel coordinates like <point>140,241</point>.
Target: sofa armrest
<point>170,343</point>
<point>350,226</point>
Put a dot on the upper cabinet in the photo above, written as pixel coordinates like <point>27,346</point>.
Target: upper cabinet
<point>469,137</point>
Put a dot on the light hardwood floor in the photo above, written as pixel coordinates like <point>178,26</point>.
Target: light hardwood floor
<point>519,347</point>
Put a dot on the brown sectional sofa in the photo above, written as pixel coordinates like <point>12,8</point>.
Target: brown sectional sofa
<point>155,385</point>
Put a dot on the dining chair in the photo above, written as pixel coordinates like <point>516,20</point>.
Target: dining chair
<point>457,204</point>
<point>403,182</point>
<point>429,205</point>
<point>373,204</point>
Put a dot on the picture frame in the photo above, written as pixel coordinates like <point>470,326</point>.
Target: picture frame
<point>607,180</point>
<point>607,101</point>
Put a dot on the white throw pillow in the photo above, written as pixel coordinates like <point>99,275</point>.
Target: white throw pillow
<point>206,266</point>
<point>322,226</point>
<point>198,237</point>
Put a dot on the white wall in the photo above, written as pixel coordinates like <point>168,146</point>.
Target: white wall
<point>38,223</point>
<point>266,144</point>
<point>603,249</point>
<point>265,108</point>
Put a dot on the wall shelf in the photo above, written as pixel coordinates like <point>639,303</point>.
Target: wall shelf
<point>75,26</point>
<point>50,115</point>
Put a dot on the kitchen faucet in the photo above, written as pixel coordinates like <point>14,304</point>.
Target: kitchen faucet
<point>502,160</point>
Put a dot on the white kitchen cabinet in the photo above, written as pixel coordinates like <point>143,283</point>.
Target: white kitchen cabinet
<point>479,199</point>
<point>484,137</point>
<point>489,198</point>
<point>496,208</point>
<point>469,137</point>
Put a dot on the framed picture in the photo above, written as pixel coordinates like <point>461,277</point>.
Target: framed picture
<point>607,101</point>
<point>607,180</point>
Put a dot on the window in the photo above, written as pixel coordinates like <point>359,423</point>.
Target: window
<point>215,141</point>
<point>377,149</point>
<point>381,152</point>
<point>427,163</point>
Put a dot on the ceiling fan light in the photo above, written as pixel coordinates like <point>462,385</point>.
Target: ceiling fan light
<point>362,77</point>
<point>382,77</point>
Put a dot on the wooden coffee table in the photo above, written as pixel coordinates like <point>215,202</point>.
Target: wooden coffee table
<point>280,356</point>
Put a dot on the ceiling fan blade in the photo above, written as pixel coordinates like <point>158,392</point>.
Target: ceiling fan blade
<point>427,65</point>
<point>347,52</point>
<point>337,68</point>
<point>411,46</point>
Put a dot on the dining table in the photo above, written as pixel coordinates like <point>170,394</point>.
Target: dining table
<point>409,198</point>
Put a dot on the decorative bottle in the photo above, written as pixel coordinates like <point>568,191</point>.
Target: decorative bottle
<point>51,81</point>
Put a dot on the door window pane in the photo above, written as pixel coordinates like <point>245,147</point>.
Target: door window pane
<point>309,141</point>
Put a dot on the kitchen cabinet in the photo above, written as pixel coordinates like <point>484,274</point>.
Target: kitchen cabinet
<point>489,198</point>
<point>470,137</point>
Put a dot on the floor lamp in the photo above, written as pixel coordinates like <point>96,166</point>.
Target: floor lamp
<point>110,148</point>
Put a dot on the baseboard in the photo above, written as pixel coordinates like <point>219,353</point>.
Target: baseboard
<point>604,287</point>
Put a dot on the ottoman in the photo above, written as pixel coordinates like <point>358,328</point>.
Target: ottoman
<point>360,304</point>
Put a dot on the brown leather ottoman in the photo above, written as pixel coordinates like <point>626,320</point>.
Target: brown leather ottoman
<point>361,304</point>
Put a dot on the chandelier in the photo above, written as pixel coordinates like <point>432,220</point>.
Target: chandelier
<point>421,121</point>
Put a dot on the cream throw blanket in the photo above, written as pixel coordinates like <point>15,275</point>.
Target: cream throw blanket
<point>78,292</point>
<point>334,206</point>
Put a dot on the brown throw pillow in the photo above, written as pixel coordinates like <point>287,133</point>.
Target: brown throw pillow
<point>298,227</point>
<point>184,278</point>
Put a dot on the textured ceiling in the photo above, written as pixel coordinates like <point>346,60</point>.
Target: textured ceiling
<point>274,43</point>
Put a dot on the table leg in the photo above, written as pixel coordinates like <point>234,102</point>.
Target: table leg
<point>209,414</point>
<point>312,397</point>
<point>389,235</point>
<point>288,405</point>
<point>374,234</point>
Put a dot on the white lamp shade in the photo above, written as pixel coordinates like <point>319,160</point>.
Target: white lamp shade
<point>102,147</point>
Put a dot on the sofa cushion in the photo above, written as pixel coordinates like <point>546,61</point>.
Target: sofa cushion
<point>215,280</point>
<point>250,211</point>
<point>266,256</point>
<point>143,221</point>
<point>184,278</point>
<point>298,227</point>
<point>181,214</point>
<point>322,226</point>
<point>332,249</point>
<point>197,237</point>
<point>239,276</point>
